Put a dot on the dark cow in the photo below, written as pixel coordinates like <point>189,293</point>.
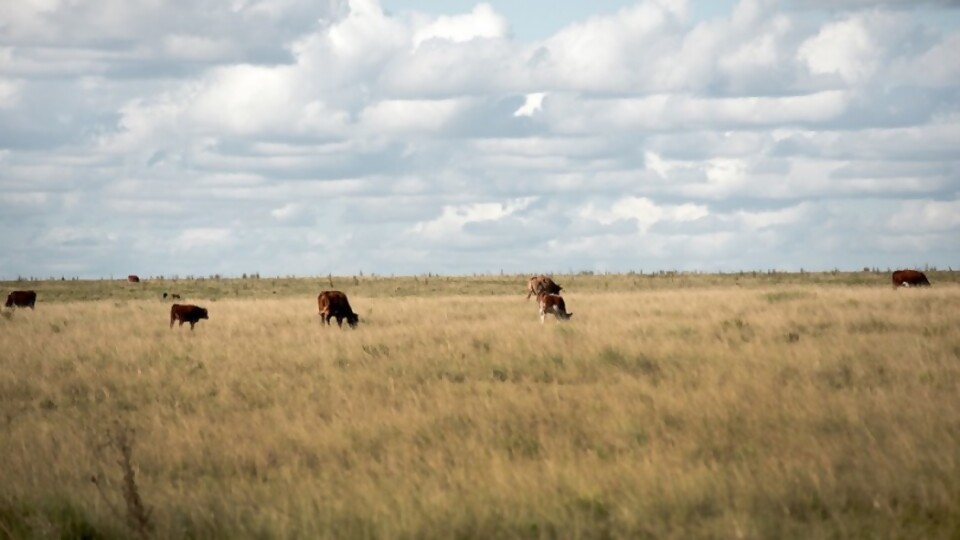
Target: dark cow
<point>175,296</point>
<point>909,278</point>
<point>187,313</point>
<point>21,299</point>
<point>133,279</point>
<point>335,304</point>
<point>552,303</point>
<point>539,284</point>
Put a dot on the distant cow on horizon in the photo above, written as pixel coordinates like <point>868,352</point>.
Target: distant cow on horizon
<point>21,299</point>
<point>538,284</point>
<point>909,278</point>
<point>133,278</point>
<point>187,313</point>
<point>552,303</point>
<point>334,304</point>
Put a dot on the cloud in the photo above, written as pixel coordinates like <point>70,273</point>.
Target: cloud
<point>482,22</point>
<point>532,104</point>
<point>776,134</point>
<point>452,219</point>
<point>203,238</point>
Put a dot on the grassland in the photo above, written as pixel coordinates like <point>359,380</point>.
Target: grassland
<point>689,406</point>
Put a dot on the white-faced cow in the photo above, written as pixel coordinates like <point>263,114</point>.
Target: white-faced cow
<point>21,299</point>
<point>909,278</point>
<point>552,303</point>
<point>334,304</point>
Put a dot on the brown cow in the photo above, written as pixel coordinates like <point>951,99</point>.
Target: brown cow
<point>908,278</point>
<point>187,313</point>
<point>21,299</point>
<point>552,303</point>
<point>538,284</point>
<point>335,304</point>
<point>133,279</point>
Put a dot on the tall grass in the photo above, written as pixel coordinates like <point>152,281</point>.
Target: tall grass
<point>774,411</point>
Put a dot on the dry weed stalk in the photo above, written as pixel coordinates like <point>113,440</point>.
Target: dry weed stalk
<point>137,515</point>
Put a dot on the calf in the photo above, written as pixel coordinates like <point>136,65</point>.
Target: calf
<point>187,313</point>
<point>21,299</point>
<point>334,304</point>
<point>552,303</point>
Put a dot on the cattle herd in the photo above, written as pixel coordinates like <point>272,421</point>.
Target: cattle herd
<point>334,304</point>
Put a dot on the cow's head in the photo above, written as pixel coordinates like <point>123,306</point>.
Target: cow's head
<point>9,300</point>
<point>353,319</point>
<point>203,313</point>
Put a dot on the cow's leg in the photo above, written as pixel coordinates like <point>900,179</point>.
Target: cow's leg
<point>340,321</point>
<point>191,324</point>
<point>543,314</point>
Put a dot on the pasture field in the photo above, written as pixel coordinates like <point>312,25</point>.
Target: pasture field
<point>820,405</point>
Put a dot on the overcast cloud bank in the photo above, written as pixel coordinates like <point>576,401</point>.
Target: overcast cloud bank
<point>277,137</point>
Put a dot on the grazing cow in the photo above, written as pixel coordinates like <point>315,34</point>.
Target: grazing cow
<point>133,279</point>
<point>552,303</point>
<point>908,278</point>
<point>187,313</point>
<point>335,304</point>
<point>538,284</point>
<point>21,299</point>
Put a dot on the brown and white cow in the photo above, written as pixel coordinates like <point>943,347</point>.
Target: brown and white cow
<point>552,303</point>
<point>334,304</point>
<point>538,284</point>
<point>909,278</point>
<point>187,313</point>
<point>21,299</point>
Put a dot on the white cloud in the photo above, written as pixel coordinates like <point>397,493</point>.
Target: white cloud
<point>453,218</point>
<point>644,212</point>
<point>762,137</point>
<point>482,22</point>
<point>9,93</point>
<point>532,104</point>
<point>203,238</point>
<point>924,216</point>
<point>196,48</point>
<point>411,116</point>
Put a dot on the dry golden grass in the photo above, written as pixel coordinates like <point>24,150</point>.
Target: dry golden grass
<point>768,412</point>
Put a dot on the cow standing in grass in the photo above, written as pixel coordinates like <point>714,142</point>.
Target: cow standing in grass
<point>21,299</point>
<point>552,303</point>
<point>909,278</point>
<point>187,313</point>
<point>542,284</point>
<point>334,304</point>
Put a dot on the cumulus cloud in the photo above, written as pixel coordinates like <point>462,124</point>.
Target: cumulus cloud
<point>452,219</point>
<point>777,134</point>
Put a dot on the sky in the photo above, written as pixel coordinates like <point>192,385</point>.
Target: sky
<point>398,137</point>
